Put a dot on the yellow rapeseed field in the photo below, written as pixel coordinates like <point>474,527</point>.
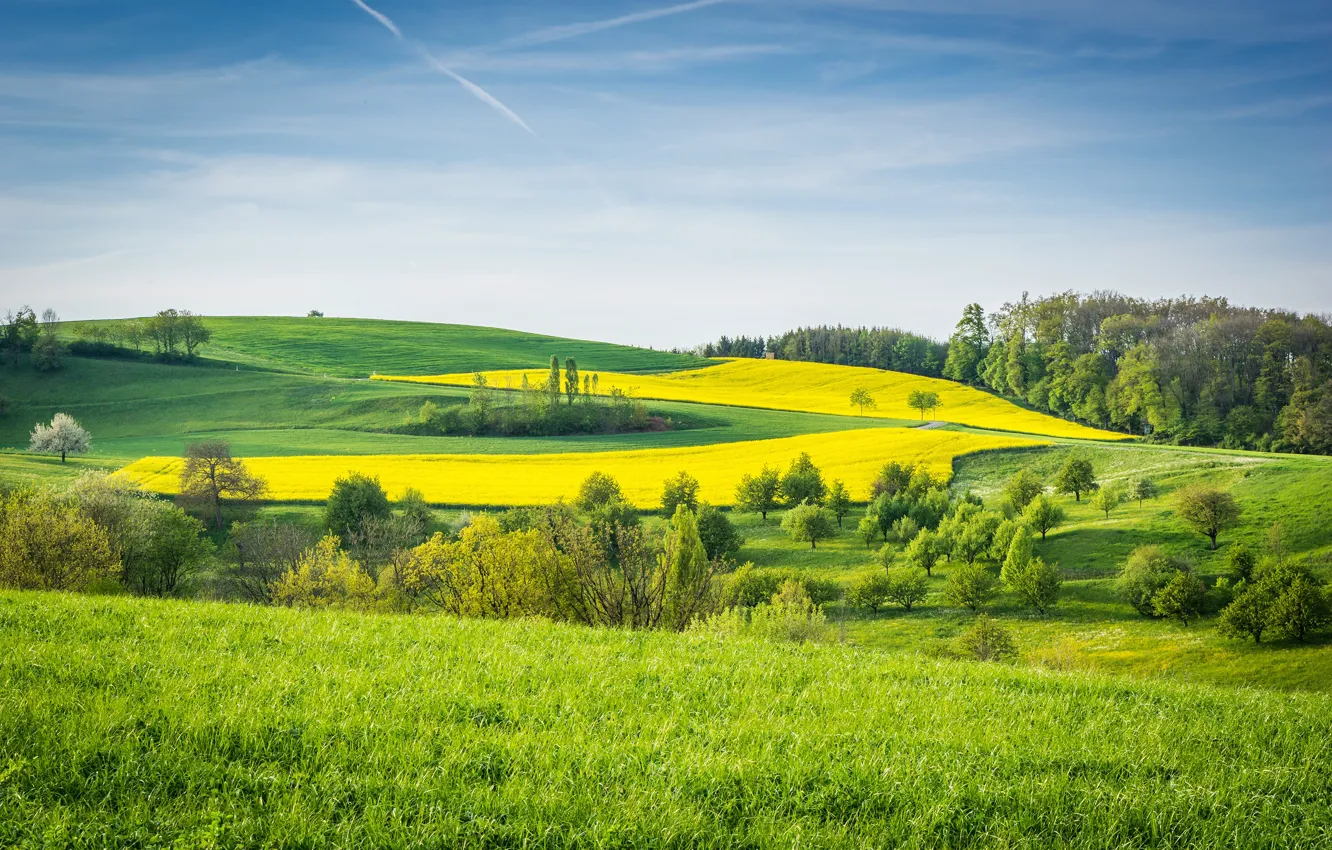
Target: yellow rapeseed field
<point>810,387</point>
<point>477,480</point>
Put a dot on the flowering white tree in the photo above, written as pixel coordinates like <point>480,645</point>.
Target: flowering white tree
<point>63,435</point>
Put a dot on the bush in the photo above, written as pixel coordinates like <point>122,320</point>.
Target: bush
<point>326,577</point>
<point>1181,598</point>
<point>1147,570</point>
<point>986,640</point>
<point>749,587</point>
<point>905,530</point>
<point>355,499</point>
<point>47,543</point>
<point>970,586</point>
<point>869,591</point>
<point>169,547</point>
<point>791,616</point>
<point>720,539</point>
<point>907,586</point>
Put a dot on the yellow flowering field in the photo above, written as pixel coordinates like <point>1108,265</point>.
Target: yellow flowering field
<point>477,480</point>
<point>809,387</point>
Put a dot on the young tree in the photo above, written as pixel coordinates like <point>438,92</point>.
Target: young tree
<point>681,489</point>
<point>869,530</point>
<point>172,549</point>
<point>597,490</point>
<point>1030,578</point>
<point>803,482</point>
<point>970,586</point>
<point>808,523</point>
<point>1248,615</point>
<point>758,493</point>
<point>924,401</point>
<point>416,518</point>
<point>1043,514</point>
<point>356,499</point>
<point>905,530</point>
<point>571,379</point>
<point>986,640</point>
<point>720,539</point>
<point>839,501</point>
<point>63,436</point>
<point>861,398</point>
<point>212,477</point>
<point>688,571</point>
<point>1207,510</point>
<point>1147,570</point>
<point>1107,499</point>
<point>1077,477</point>
<point>923,552</point>
<point>869,591</point>
<point>906,586</point>
<point>1023,487</point>
<point>1181,598</point>
<point>1299,605</point>
<point>1141,489</point>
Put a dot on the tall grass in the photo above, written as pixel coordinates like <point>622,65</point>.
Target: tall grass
<point>132,723</point>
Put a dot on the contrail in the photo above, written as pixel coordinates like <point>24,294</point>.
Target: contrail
<point>476,91</point>
<point>559,33</point>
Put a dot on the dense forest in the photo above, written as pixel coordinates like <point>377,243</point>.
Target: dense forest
<point>1193,371</point>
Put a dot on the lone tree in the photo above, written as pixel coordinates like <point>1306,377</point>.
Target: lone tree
<point>212,476</point>
<point>63,436</point>
<point>924,401</point>
<point>1207,510</point>
<point>1077,477</point>
<point>758,493</point>
<point>808,523</point>
<point>861,398</point>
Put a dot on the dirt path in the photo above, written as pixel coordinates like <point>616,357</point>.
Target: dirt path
<point>930,426</point>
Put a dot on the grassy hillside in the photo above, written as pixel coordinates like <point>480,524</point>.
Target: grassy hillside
<point>816,388</point>
<point>132,723</point>
<point>355,348</point>
<point>135,409</point>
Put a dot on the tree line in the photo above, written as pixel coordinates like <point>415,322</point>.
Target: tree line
<point>878,348</point>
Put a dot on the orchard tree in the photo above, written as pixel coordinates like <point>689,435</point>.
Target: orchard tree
<point>1077,477</point>
<point>1043,514</point>
<point>1181,598</point>
<point>839,501</point>
<point>924,401</point>
<point>211,477</point>
<point>1107,499</point>
<point>869,591</point>
<point>720,539</point>
<point>808,523</point>
<point>1207,510</point>
<point>970,586</point>
<point>1023,487</point>
<point>906,586</point>
<point>923,552</point>
<point>861,398</point>
<point>803,482</point>
<point>1034,581</point>
<point>681,489</point>
<point>1143,488</point>
<point>758,493</point>
<point>63,436</point>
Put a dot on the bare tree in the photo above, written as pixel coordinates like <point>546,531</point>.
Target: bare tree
<point>212,476</point>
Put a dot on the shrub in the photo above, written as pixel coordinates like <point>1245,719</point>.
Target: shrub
<point>720,539</point>
<point>682,489</point>
<point>986,640</point>
<point>355,499</point>
<point>47,543</point>
<point>1147,570</point>
<point>168,548</point>
<point>1181,598</point>
<point>1241,562</point>
<point>791,616</point>
<point>749,587</point>
<point>970,586</point>
<point>326,577</point>
<point>869,591</point>
<point>905,530</point>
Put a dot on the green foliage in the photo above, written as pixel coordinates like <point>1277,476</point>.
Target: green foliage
<point>1032,580</point>
<point>1241,563</point>
<point>1077,476</point>
<point>861,398</point>
<point>987,640</point>
<point>47,543</point>
<point>839,501</point>
<point>808,523</point>
<point>1107,499</point>
<point>1142,489</point>
<point>970,586</point>
<point>905,530</point>
<point>1299,606</point>
<point>719,535</point>
<point>687,569</point>
<point>759,493</point>
<point>748,586</point>
<point>1044,514</point>
<point>1181,598</point>
<point>968,346</point>
<point>803,483</point>
<point>926,401</point>
<point>679,490</point>
<point>906,586</point>
<point>791,616</point>
<point>1207,510</point>
<point>48,352</point>
<point>870,591</point>
<point>356,499</point>
<point>325,577</point>
<point>168,548</point>
<point>1023,487</point>
<point>869,530</point>
<point>924,551</point>
<point>1147,570</point>
<point>596,491</point>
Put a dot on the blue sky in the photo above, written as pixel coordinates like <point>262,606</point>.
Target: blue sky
<point>660,173</point>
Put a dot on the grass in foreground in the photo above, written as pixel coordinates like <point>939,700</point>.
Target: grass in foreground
<point>476,480</point>
<point>127,723</point>
<point>813,388</point>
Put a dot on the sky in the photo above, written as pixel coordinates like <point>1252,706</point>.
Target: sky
<point>655,173</point>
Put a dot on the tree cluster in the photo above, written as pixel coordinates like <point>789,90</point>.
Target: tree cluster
<point>878,348</point>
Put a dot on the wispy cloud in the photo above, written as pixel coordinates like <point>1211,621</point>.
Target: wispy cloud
<point>548,35</point>
<point>431,60</point>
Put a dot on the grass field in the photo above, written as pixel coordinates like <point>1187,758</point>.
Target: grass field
<point>476,480</point>
<point>129,723</point>
<point>354,348</point>
<point>813,388</point>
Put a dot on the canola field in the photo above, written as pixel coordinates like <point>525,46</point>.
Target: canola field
<point>499,480</point>
<point>807,387</point>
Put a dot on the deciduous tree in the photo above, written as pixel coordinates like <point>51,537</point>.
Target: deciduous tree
<point>759,493</point>
<point>1207,510</point>
<point>211,477</point>
<point>63,436</point>
<point>808,523</point>
<point>1077,477</point>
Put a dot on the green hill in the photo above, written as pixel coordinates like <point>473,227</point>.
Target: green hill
<point>134,723</point>
<point>354,348</point>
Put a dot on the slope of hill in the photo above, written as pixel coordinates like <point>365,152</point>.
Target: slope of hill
<point>814,388</point>
<point>355,348</point>
<point>212,725</point>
